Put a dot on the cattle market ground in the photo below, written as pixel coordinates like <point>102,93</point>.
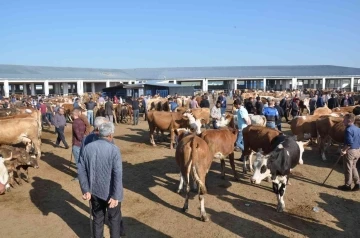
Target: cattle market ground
<point>51,205</point>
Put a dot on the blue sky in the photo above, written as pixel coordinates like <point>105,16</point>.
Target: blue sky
<point>163,33</point>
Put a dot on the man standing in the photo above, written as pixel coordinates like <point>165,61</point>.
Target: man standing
<point>271,115</point>
<point>259,106</point>
<point>243,121</point>
<point>145,100</point>
<point>284,104</point>
<point>216,114</point>
<point>249,105</point>
<point>352,154</point>
<point>345,101</point>
<point>90,111</point>
<point>333,102</point>
<point>76,104</point>
<point>78,133</point>
<point>281,114</point>
<point>43,110</point>
<point>193,103</point>
<point>173,105</point>
<point>100,175</point>
<point>109,110</point>
<point>59,122</point>
<point>135,108</point>
<point>204,102</point>
<point>312,104</point>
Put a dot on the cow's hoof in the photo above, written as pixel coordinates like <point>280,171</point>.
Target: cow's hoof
<point>268,180</point>
<point>204,218</point>
<point>178,191</point>
<point>185,209</point>
<point>236,178</point>
<point>245,171</point>
<point>280,208</point>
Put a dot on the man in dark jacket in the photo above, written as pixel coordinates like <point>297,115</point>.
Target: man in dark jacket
<point>295,108</point>
<point>259,106</point>
<point>250,106</point>
<point>59,122</point>
<point>284,104</point>
<point>90,111</point>
<point>312,105</point>
<point>320,102</point>
<point>333,102</point>
<point>205,102</point>
<point>109,110</point>
<point>135,108</point>
<point>281,114</point>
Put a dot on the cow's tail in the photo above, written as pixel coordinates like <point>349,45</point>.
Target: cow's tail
<point>195,169</point>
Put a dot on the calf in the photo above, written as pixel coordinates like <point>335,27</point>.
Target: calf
<point>4,175</point>
<point>221,144</point>
<point>20,160</point>
<point>278,165</point>
<point>193,157</point>
<point>255,138</point>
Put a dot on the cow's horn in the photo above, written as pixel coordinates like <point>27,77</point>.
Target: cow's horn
<point>9,157</point>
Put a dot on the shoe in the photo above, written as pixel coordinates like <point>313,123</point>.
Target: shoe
<point>75,179</point>
<point>56,146</point>
<point>344,187</point>
<point>356,188</point>
<point>237,149</point>
<point>66,147</point>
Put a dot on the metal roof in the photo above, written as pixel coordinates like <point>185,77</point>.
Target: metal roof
<point>56,73</point>
<point>141,85</point>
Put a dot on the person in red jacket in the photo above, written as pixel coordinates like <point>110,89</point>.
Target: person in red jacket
<point>78,133</point>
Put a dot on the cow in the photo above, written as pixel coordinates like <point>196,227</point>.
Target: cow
<point>4,175</point>
<point>221,143</point>
<point>322,111</point>
<point>331,129</point>
<point>20,160</point>
<point>194,158</point>
<point>20,130</point>
<point>165,121</point>
<point>255,138</point>
<point>278,165</point>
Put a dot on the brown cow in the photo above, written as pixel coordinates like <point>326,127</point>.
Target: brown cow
<point>255,138</point>
<point>331,129</point>
<point>322,111</point>
<point>193,157</point>
<point>165,121</point>
<point>221,143</point>
<point>20,130</point>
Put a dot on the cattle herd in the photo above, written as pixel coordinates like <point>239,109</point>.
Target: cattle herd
<point>276,154</point>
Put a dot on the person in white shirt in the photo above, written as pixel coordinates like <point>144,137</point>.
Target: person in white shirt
<point>216,114</point>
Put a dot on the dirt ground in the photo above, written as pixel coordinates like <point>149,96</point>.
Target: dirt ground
<point>51,205</point>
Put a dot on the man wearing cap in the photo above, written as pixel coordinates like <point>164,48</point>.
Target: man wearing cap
<point>90,111</point>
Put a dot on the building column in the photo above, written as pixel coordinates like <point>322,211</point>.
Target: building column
<point>93,87</point>
<point>24,89</point>
<point>13,88</point>
<point>6,88</point>
<point>32,86</point>
<point>323,83</point>
<point>46,87</point>
<point>294,83</point>
<point>264,84</point>
<point>352,84</point>
<point>65,88</point>
<point>235,84</point>
<point>174,81</point>
<point>80,87</point>
<point>108,83</point>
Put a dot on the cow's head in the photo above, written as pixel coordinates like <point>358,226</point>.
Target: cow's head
<point>194,124</point>
<point>261,170</point>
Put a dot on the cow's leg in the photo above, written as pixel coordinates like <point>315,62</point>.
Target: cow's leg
<point>203,215</point>
<point>244,164</point>
<point>222,161</point>
<point>187,187</point>
<point>232,163</point>
<point>250,162</point>
<point>181,184</point>
<point>172,139</point>
<point>279,189</point>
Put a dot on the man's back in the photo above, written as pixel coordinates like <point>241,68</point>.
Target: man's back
<point>100,170</point>
<point>78,129</point>
<point>108,108</point>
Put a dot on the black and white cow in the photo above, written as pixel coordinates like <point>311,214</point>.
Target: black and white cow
<point>278,165</point>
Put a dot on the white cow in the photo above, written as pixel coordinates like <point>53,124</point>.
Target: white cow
<point>4,175</point>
